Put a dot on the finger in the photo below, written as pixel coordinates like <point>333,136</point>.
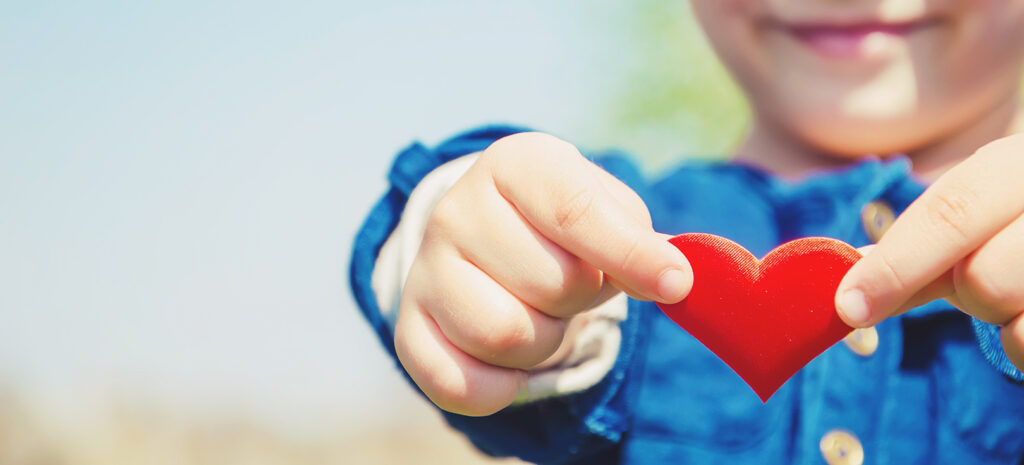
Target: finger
<point>990,282</point>
<point>628,200</point>
<point>966,206</point>
<point>940,288</point>
<point>617,285</point>
<point>453,380</point>
<point>634,206</point>
<point>572,206</point>
<point>572,331</point>
<point>506,247</point>
<point>1012,337</point>
<point>479,316</point>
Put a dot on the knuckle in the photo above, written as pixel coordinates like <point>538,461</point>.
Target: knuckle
<point>458,395</point>
<point>525,145</point>
<point>459,388</point>
<point>500,149</point>
<point>949,210</point>
<point>547,292</point>
<point>449,393</point>
<point>514,337</point>
<point>891,272</point>
<point>446,217</point>
<point>512,158</point>
<point>576,286</point>
<point>986,288</point>
<point>507,331</point>
<point>573,208</point>
<point>632,253</point>
<point>460,384</point>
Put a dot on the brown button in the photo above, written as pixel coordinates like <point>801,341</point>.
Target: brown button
<point>876,217</point>
<point>839,447</point>
<point>863,341</point>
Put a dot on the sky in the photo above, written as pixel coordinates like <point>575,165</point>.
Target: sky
<point>180,183</point>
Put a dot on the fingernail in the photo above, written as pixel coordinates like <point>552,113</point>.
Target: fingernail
<point>853,307</point>
<point>672,285</point>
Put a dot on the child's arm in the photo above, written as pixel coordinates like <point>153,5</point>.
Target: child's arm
<point>530,236</point>
<point>558,429</point>
<point>962,240</point>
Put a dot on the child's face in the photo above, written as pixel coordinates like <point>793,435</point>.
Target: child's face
<point>855,77</point>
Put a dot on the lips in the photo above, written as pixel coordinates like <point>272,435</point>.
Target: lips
<point>851,39</point>
<point>812,30</point>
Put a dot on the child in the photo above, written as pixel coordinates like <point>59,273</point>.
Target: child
<point>502,284</point>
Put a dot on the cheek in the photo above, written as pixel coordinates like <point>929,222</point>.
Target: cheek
<point>935,84</point>
<point>931,84</point>
<point>986,50</point>
<point>991,30</point>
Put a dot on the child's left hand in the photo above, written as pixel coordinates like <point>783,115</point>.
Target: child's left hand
<point>962,240</point>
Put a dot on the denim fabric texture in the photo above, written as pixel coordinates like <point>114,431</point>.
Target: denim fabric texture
<point>939,389</point>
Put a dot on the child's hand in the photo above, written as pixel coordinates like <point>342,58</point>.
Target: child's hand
<point>531,235</point>
<point>963,240</point>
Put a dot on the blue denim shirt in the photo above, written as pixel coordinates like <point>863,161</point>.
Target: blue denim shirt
<point>938,389</point>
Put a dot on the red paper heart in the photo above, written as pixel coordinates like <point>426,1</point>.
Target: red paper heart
<point>765,318</point>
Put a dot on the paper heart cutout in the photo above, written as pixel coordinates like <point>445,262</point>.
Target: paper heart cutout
<point>765,318</point>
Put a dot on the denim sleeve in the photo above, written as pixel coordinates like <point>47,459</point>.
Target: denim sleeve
<point>992,348</point>
<point>579,428</point>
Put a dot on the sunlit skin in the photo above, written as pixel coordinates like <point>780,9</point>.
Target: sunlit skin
<point>832,80</point>
<point>491,297</point>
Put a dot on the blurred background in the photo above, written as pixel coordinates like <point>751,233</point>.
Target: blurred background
<point>180,184</point>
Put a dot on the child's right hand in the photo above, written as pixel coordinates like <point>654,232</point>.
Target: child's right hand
<point>531,235</point>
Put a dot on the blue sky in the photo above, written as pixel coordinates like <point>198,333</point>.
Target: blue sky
<point>180,183</point>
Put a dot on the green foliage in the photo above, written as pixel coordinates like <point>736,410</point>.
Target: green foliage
<point>676,100</point>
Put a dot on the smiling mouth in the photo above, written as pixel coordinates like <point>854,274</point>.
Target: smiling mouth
<point>850,40</point>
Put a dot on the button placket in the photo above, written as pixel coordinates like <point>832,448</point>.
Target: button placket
<point>839,446</point>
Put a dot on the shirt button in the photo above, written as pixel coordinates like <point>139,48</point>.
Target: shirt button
<point>863,341</point>
<point>840,447</point>
<point>876,217</point>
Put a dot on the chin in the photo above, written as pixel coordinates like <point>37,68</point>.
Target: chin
<point>850,138</point>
